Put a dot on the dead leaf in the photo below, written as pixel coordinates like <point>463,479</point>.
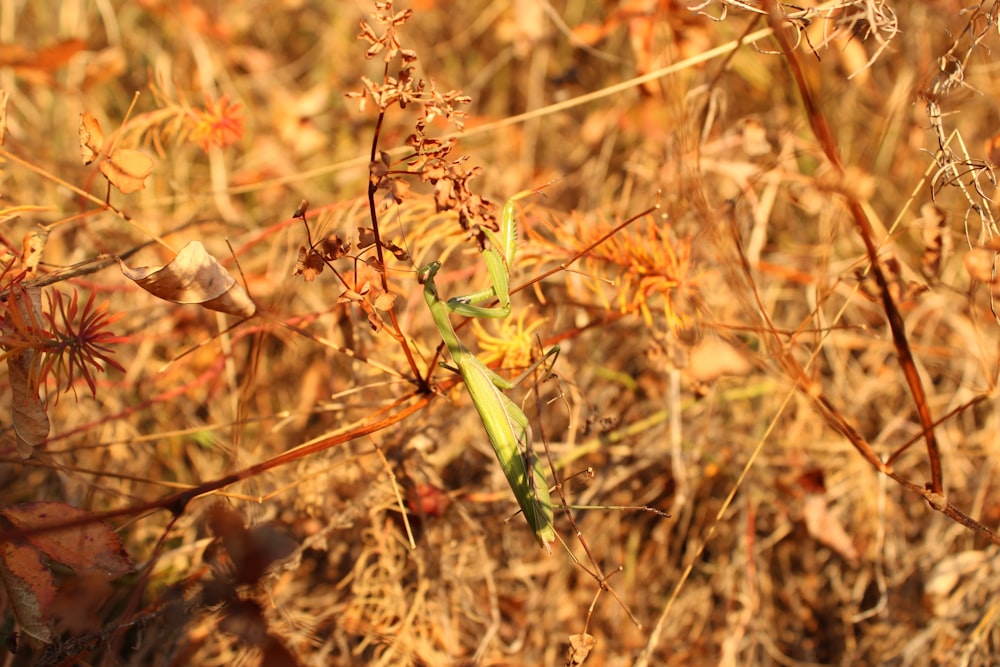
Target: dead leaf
<point>90,547</point>
<point>713,358</point>
<point>942,590</point>
<point>194,276</point>
<point>30,587</point>
<point>374,319</point>
<point>125,169</point>
<point>39,65</point>
<point>360,298</point>
<point>309,264</point>
<point>384,301</point>
<point>444,195</point>
<point>333,248</point>
<point>378,169</point>
<point>58,55</point>
<point>824,526</point>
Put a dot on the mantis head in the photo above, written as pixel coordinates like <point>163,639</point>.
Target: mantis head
<point>426,273</point>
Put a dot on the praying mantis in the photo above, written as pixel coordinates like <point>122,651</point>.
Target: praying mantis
<point>505,423</point>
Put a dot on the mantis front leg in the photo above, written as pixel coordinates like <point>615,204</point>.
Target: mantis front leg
<point>505,424</point>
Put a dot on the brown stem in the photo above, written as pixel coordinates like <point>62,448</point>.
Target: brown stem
<point>373,184</point>
<point>821,128</point>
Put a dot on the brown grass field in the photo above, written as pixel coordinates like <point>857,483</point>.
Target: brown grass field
<point>763,240</point>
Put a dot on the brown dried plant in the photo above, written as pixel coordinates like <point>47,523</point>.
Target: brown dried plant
<point>356,515</point>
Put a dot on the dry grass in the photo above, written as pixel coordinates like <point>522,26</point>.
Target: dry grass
<point>731,375</point>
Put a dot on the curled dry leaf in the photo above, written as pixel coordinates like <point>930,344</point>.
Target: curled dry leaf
<point>32,246</point>
<point>361,299</point>
<point>31,422</point>
<point>194,276</point>
<point>579,649</point>
<point>28,415</point>
<point>309,264</point>
<point>399,189</point>
<point>91,138</point>
<point>444,195</point>
<point>936,240</point>
<point>980,264</point>
<point>125,169</point>
<point>311,261</point>
<point>300,212</point>
<point>366,237</point>
<point>378,169</point>
<point>397,252</point>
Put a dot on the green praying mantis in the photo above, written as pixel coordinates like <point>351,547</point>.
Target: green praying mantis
<point>506,425</point>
